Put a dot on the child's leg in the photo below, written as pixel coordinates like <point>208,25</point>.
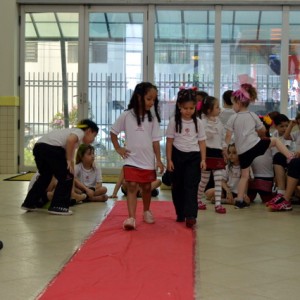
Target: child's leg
<point>275,142</point>
<point>100,191</point>
<point>242,186</point>
<point>146,194</point>
<point>218,186</point>
<point>132,188</point>
<point>280,176</point>
<point>210,195</point>
<point>202,185</point>
<point>155,184</point>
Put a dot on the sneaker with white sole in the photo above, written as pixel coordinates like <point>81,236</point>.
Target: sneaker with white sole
<point>274,200</point>
<point>129,224</point>
<point>281,206</point>
<point>61,211</point>
<point>148,217</point>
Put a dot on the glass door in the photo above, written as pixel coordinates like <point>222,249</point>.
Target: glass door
<point>49,74</point>
<point>116,44</point>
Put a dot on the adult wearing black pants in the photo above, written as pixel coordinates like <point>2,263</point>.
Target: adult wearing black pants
<point>54,156</point>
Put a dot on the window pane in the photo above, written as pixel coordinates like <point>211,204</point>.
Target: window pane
<point>294,64</point>
<point>251,44</point>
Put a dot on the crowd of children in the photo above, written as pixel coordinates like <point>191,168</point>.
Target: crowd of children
<point>227,156</point>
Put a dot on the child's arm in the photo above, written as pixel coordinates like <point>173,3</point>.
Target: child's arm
<point>156,149</point>
<point>124,153</point>
<point>83,188</point>
<point>228,137</point>
<point>202,145</point>
<point>70,151</point>
<point>170,165</point>
<point>287,134</point>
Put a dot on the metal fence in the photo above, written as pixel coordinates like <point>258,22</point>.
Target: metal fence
<point>52,103</point>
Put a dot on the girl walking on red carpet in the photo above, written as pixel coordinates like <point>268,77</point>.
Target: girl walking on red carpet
<point>142,151</point>
<point>186,154</point>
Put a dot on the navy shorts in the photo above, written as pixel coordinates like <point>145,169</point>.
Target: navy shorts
<point>259,149</point>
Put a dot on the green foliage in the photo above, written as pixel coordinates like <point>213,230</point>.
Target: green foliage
<point>58,120</point>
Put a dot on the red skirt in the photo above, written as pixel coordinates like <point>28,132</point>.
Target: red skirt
<point>138,175</point>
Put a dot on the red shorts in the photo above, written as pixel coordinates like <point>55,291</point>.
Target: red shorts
<point>138,175</point>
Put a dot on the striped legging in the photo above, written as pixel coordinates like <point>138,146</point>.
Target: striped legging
<point>218,185</point>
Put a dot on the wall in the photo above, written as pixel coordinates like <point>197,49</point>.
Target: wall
<point>9,101</point>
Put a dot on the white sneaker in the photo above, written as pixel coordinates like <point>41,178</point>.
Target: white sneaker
<point>129,224</point>
<point>148,217</point>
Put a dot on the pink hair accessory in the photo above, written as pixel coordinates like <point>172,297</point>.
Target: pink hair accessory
<point>199,105</point>
<point>245,78</point>
<point>242,95</point>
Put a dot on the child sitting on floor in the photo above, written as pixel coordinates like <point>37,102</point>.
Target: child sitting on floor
<point>88,178</point>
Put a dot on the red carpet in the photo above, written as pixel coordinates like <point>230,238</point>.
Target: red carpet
<point>154,262</point>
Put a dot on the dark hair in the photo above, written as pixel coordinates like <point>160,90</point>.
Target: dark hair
<point>208,104</point>
<point>230,164</point>
<point>267,125</point>
<point>280,118</point>
<point>273,114</point>
<point>86,124</point>
<point>184,96</point>
<point>139,92</point>
<point>82,149</point>
<point>297,116</point>
<point>246,94</point>
<point>202,94</point>
<point>227,97</point>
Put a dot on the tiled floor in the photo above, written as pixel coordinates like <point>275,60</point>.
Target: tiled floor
<point>245,254</point>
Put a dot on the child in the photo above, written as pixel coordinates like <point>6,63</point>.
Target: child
<point>295,135</point>
<point>280,123</point>
<point>185,148</point>
<point>142,149</point>
<point>88,177</point>
<point>214,135</point>
<point>227,110</point>
<point>200,96</point>
<point>262,168</point>
<point>121,183</point>
<point>230,179</point>
<point>246,127</point>
<point>54,156</point>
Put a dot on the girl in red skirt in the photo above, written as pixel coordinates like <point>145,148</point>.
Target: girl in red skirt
<point>142,151</point>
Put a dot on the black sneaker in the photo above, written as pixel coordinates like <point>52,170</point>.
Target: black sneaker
<point>240,204</point>
<point>29,207</point>
<point>62,211</point>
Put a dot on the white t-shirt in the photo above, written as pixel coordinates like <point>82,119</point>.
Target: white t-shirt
<point>262,166</point>
<point>225,115</point>
<point>88,177</point>
<point>214,131</point>
<point>295,135</point>
<point>287,143</point>
<point>139,139</point>
<point>59,137</point>
<point>232,175</point>
<point>188,139</point>
<point>244,125</point>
